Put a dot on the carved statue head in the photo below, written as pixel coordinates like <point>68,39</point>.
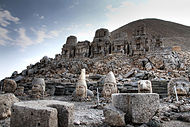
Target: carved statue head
<point>182,86</point>
<point>9,86</point>
<point>81,87</point>
<point>38,86</point>
<point>144,86</point>
<point>110,85</point>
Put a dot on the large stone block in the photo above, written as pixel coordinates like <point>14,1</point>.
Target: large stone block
<point>139,107</point>
<point>42,113</point>
<point>113,116</point>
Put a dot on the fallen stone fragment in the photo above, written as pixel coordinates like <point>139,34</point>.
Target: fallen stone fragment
<point>113,116</point>
<point>6,101</point>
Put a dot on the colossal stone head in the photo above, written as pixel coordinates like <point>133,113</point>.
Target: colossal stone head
<point>38,85</point>
<point>71,40</point>
<point>9,86</point>
<point>81,87</point>
<point>182,86</point>
<point>144,86</point>
<point>101,33</point>
<point>110,85</point>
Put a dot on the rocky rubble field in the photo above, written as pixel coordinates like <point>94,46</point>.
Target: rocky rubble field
<point>61,72</point>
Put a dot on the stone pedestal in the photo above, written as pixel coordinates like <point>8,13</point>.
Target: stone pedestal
<point>139,107</point>
<point>42,113</point>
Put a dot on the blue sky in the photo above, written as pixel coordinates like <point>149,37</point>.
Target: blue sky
<point>31,29</point>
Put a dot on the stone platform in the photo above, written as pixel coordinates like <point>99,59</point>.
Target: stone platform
<point>139,107</point>
<point>42,113</point>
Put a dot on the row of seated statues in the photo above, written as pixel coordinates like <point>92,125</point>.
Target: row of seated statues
<point>105,43</point>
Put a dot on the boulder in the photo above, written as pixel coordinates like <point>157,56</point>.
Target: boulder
<point>30,72</point>
<point>18,78</point>
<point>14,73</point>
<point>6,101</point>
<point>113,116</point>
<point>89,93</point>
<point>184,117</point>
<point>19,91</point>
<point>148,66</point>
<point>9,86</point>
<point>185,108</point>
<point>139,107</point>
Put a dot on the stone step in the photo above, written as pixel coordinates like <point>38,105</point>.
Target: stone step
<point>163,95</point>
<point>160,89</point>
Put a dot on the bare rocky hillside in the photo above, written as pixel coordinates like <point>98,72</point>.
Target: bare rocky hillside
<point>172,33</point>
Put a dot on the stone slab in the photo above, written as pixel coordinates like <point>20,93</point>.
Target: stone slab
<point>42,113</point>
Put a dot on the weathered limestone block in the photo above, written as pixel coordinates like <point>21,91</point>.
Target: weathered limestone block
<point>139,107</point>
<point>6,101</point>
<point>43,113</point>
<point>9,86</point>
<point>182,86</point>
<point>113,116</point>
<point>144,86</point>
<point>110,85</point>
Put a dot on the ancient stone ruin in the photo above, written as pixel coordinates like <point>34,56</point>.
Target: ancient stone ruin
<point>121,78</point>
<point>105,43</point>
